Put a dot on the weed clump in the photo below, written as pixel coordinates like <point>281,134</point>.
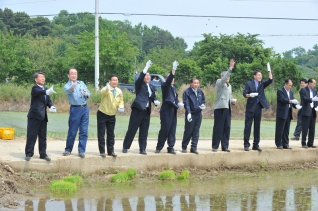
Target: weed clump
<point>74,179</point>
<point>167,175</point>
<point>61,186</point>
<point>183,175</point>
<point>124,176</point>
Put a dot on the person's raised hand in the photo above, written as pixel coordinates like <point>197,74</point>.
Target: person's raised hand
<point>175,65</point>
<point>268,67</point>
<point>148,64</point>
<point>232,63</point>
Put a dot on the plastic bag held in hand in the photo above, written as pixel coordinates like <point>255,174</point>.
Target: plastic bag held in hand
<point>315,98</point>
<point>268,67</point>
<point>50,90</point>
<point>202,107</point>
<point>252,95</point>
<point>294,101</point>
<point>156,102</point>
<point>189,118</point>
<point>52,109</point>
<point>180,105</point>
<point>175,65</point>
<point>107,86</point>
<point>73,84</point>
<point>148,64</point>
<point>121,109</point>
<point>298,106</point>
<point>84,93</point>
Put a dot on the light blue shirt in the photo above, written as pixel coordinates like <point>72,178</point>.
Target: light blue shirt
<point>76,97</point>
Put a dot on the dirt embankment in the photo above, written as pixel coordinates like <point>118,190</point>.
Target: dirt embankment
<point>19,185</point>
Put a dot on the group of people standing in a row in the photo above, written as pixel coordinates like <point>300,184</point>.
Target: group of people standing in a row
<point>193,103</point>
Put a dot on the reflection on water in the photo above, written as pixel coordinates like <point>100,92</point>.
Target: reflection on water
<point>291,198</point>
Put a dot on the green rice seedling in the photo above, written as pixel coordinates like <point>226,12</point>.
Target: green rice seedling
<point>167,175</point>
<point>119,177</point>
<point>131,173</point>
<point>61,186</point>
<point>74,179</point>
<point>183,175</point>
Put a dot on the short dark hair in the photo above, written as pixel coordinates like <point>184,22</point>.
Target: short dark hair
<point>257,71</point>
<point>311,80</point>
<point>111,76</point>
<point>287,81</point>
<point>37,73</point>
<point>303,80</point>
<point>193,79</point>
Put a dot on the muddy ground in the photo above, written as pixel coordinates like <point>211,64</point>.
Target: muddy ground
<point>18,185</point>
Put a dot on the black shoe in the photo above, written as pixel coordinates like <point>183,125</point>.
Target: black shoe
<point>184,151</point>
<point>305,147</point>
<point>312,146</point>
<point>46,158</point>
<point>246,149</point>
<point>296,138</point>
<point>125,150</point>
<point>112,154</point>
<point>66,153</point>
<point>194,151</point>
<point>143,152</point>
<point>287,147</point>
<point>157,151</point>
<point>81,154</point>
<point>172,152</point>
<point>103,155</point>
<point>280,147</point>
<point>226,150</point>
<point>257,148</point>
<point>27,158</point>
<point>214,150</point>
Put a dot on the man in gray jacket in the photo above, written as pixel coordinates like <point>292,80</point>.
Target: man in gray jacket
<point>222,111</point>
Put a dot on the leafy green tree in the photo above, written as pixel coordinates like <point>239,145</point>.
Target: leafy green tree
<point>187,70</point>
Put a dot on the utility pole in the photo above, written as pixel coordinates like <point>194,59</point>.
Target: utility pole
<point>97,45</point>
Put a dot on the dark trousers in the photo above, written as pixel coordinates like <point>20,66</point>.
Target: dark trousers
<point>308,127</point>
<point>221,128</point>
<point>191,130</point>
<point>168,121</point>
<point>282,130</point>
<point>36,128</point>
<point>107,122</point>
<point>249,117</point>
<point>298,126</point>
<point>138,119</point>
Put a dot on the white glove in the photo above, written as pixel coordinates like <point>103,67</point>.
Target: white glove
<point>298,106</point>
<point>316,108</point>
<point>52,109</point>
<point>315,98</point>
<point>107,86</point>
<point>84,93</point>
<point>202,107</point>
<point>148,64</point>
<point>156,102</point>
<point>253,94</point>
<point>294,101</point>
<point>189,118</point>
<point>50,90</point>
<point>175,65</point>
<point>121,109</point>
<point>180,105</point>
<point>73,84</point>
<point>268,67</point>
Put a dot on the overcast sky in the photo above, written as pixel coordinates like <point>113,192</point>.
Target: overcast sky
<point>192,28</point>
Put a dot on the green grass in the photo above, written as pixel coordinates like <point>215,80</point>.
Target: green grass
<point>58,126</point>
<point>124,176</point>
<point>74,179</point>
<point>61,186</point>
<point>184,175</point>
<point>131,173</point>
<point>167,175</point>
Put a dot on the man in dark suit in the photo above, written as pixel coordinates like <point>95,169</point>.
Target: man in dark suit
<point>37,117</point>
<point>256,101</point>
<point>194,103</point>
<point>141,109</point>
<point>297,132</point>
<point>285,102</point>
<point>168,112</point>
<point>309,100</point>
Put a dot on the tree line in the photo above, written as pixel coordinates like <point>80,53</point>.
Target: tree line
<point>30,44</point>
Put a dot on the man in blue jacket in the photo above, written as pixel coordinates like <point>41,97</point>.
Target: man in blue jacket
<point>140,111</point>
<point>168,112</point>
<point>194,103</point>
<point>256,101</point>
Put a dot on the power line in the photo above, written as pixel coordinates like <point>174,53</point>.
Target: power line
<point>30,2</point>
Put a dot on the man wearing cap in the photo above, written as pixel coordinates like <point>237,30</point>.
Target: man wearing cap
<point>78,95</point>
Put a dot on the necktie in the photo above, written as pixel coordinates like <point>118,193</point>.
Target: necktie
<point>195,92</point>
<point>114,92</point>
<point>45,94</point>
<point>149,90</point>
<point>288,98</point>
<point>311,96</point>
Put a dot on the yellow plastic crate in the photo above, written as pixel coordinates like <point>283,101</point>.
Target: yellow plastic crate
<point>6,133</point>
